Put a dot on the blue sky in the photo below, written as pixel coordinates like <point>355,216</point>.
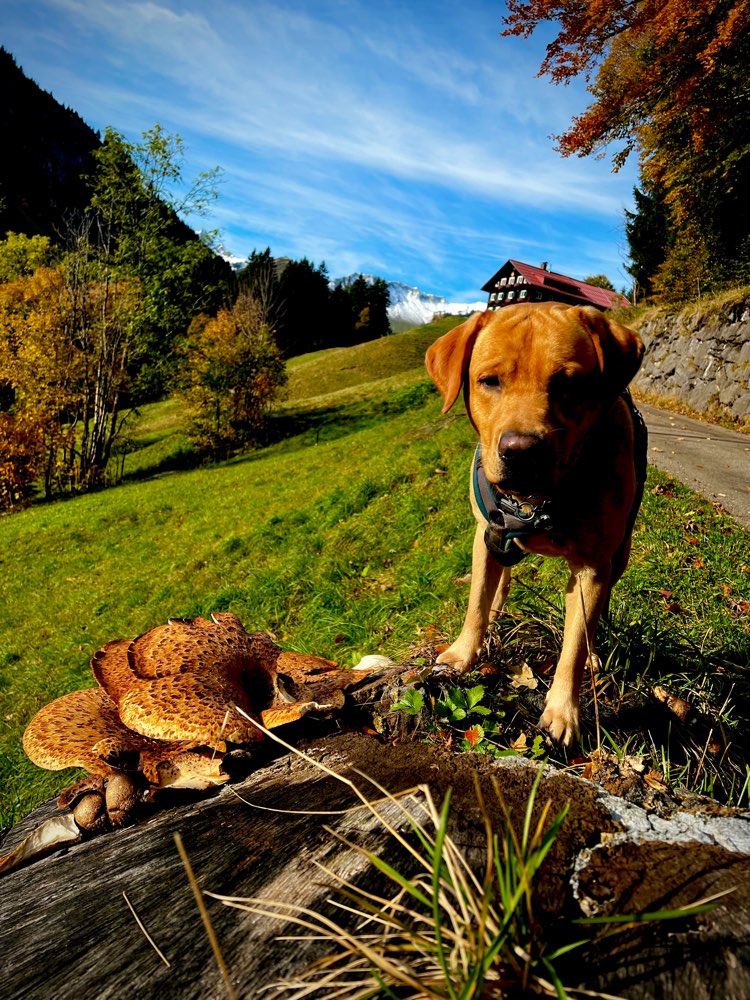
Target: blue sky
<point>404,139</point>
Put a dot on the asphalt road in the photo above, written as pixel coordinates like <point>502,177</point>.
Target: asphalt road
<point>710,459</point>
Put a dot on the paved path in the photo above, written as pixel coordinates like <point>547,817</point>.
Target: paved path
<point>710,459</point>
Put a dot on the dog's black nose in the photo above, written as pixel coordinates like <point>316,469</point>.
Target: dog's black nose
<point>518,446</point>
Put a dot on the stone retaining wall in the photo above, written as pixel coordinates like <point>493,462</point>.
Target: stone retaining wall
<point>699,356</point>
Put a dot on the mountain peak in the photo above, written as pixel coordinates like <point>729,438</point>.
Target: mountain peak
<point>411,305</point>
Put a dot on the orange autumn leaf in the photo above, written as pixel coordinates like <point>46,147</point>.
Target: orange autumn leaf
<point>473,735</point>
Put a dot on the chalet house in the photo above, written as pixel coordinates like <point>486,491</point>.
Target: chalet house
<point>517,282</point>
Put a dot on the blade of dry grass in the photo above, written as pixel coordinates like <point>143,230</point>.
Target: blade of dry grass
<point>206,919</point>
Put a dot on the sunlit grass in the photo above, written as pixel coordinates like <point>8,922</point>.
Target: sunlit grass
<point>332,371</point>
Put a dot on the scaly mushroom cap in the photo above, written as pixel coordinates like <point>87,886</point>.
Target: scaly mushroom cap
<point>83,729</point>
<point>182,680</point>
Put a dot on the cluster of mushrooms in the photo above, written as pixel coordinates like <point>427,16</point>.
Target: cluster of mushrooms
<point>169,711</point>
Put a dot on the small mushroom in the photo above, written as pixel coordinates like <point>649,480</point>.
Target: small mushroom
<point>86,799</point>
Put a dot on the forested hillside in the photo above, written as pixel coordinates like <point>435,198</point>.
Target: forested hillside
<point>48,151</point>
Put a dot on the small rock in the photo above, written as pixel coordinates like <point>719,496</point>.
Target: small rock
<point>374,661</point>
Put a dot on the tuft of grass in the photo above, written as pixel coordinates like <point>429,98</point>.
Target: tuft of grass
<point>442,931</point>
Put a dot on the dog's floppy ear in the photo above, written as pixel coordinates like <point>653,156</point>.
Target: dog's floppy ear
<point>448,358</point>
<point>619,350</point>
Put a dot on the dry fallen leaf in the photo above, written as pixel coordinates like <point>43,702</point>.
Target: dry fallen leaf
<point>473,735</point>
<point>656,781</point>
<point>523,676</point>
<point>488,669</point>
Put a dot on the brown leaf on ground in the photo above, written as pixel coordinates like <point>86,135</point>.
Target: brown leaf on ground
<point>523,676</point>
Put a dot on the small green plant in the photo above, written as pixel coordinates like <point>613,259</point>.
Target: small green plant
<point>483,739</point>
<point>457,704</point>
<point>411,702</point>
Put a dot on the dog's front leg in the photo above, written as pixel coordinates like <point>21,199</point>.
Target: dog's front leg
<point>489,588</point>
<point>584,601</point>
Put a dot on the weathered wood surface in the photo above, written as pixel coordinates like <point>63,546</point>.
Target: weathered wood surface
<point>66,930</point>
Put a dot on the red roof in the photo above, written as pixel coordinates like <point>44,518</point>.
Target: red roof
<point>572,289</point>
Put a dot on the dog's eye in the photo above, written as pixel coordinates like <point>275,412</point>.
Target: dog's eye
<point>490,381</point>
<point>570,391</point>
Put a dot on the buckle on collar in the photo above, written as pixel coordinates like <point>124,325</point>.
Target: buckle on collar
<point>534,517</point>
<point>510,522</point>
<point>508,519</point>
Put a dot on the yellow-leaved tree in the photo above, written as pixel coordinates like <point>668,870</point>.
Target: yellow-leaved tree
<point>234,371</point>
<point>62,369</point>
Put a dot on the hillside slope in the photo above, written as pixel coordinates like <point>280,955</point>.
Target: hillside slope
<point>398,358</point>
<point>48,156</point>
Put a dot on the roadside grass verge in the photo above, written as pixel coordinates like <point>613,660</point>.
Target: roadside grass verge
<point>346,536</point>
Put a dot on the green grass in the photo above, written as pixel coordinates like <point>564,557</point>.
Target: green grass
<point>345,536</point>
<point>400,356</point>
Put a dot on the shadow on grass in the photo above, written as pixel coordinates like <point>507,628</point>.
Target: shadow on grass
<point>295,429</point>
<point>180,460</point>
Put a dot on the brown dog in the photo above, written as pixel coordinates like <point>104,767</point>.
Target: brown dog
<point>561,467</point>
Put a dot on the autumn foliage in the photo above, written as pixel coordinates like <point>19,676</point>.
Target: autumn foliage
<point>668,80</point>
<point>232,373</point>
<point>60,367</point>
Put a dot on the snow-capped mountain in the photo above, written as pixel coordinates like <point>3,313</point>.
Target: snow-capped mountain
<point>413,306</point>
<point>407,304</point>
<point>236,263</point>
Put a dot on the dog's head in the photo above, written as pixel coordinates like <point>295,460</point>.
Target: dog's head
<point>536,379</point>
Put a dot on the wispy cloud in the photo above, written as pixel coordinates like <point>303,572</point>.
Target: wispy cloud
<point>405,136</point>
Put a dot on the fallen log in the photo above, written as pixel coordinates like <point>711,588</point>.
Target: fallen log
<point>74,924</point>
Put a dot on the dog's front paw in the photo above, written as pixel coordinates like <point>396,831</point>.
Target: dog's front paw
<point>560,719</point>
<point>457,659</point>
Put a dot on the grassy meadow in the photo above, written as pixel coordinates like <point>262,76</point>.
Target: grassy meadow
<point>346,534</point>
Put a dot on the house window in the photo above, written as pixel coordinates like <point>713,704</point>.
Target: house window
<point>537,296</point>
<point>519,279</point>
<point>500,296</point>
<point>493,296</point>
<point>522,294</point>
<point>503,281</point>
<point>511,295</point>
